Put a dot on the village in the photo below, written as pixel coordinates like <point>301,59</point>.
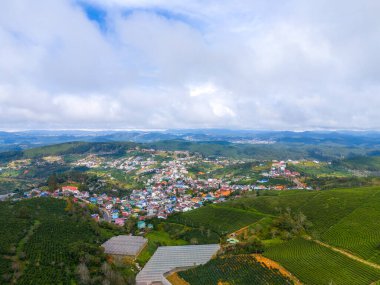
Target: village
<point>169,184</point>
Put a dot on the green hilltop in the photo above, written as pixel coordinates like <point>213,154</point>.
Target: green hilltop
<point>345,219</point>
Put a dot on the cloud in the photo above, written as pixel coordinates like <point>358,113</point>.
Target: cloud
<point>188,64</point>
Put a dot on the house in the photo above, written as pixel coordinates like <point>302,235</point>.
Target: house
<point>70,189</point>
<point>120,222</point>
<point>225,192</point>
<point>93,200</point>
<point>232,240</point>
<point>95,217</point>
<point>141,225</point>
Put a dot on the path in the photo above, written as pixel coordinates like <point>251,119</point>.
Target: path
<point>346,253</point>
<point>19,250</point>
<point>175,279</point>
<point>273,264</point>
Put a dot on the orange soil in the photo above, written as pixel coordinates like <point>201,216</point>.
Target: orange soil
<point>176,280</point>
<point>272,264</point>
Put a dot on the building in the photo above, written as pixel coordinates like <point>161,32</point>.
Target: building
<point>168,259</point>
<point>125,246</point>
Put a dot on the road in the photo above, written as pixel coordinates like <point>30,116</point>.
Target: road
<point>106,215</point>
<point>6,196</point>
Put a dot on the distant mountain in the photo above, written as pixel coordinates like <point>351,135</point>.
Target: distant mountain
<point>30,139</point>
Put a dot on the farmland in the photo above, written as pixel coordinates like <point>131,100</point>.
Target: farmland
<point>315,264</point>
<point>220,219</point>
<point>324,209</point>
<point>359,232</point>
<point>345,218</point>
<point>46,240</point>
<point>238,269</point>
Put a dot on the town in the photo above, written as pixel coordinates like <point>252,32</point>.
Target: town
<point>170,182</point>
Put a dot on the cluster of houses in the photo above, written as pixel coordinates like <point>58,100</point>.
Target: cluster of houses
<point>278,169</point>
<point>169,188</point>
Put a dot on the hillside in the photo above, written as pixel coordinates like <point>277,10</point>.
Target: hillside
<point>50,241</point>
<point>343,218</point>
<point>279,151</point>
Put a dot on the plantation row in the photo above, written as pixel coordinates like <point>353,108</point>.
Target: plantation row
<point>359,232</point>
<point>49,251</point>
<point>49,245</point>
<point>236,270</point>
<point>13,228</point>
<point>315,264</point>
<point>219,219</point>
<point>323,208</point>
<point>46,275</point>
<point>50,242</point>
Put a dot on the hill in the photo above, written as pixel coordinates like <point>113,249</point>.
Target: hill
<point>346,219</point>
<point>52,241</point>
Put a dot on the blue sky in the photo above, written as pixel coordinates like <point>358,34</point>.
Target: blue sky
<point>249,64</point>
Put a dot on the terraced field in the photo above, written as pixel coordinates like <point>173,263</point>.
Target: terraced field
<point>238,270</point>
<point>315,264</point>
<point>359,231</point>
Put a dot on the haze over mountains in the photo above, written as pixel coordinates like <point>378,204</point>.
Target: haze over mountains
<point>27,139</point>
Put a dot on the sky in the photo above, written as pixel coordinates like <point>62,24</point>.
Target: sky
<point>162,64</point>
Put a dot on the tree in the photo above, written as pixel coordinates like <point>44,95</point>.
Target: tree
<point>52,182</point>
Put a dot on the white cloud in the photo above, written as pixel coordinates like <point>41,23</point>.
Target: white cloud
<point>202,89</point>
<point>177,64</point>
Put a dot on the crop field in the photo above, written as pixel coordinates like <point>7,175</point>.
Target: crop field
<point>237,269</point>
<point>49,244</point>
<point>219,219</point>
<point>329,207</point>
<point>41,238</point>
<point>272,204</point>
<point>48,249</point>
<point>323,208</point>
<point>315,264</point>
<point>359,231</point>
<point>13,228</point>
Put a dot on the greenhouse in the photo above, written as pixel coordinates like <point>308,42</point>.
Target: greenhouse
<point>171,258</point>
<point>125,245</point>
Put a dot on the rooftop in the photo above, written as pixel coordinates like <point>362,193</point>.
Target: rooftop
<point>167,258</point>
<point>124,245</point>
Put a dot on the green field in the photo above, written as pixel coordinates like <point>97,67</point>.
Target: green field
<point>359,231</point>
<point>344,218</point>
<point>237,270</point>
<point>315,264</point>
<point>220,219</point>
<point>43,241</point>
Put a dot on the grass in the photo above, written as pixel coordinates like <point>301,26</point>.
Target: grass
<point>315,264</point>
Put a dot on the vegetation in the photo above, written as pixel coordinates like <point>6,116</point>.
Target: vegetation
<point>51,241</point>
<point>359,232</point>
<point>235,269</point>
<point>220,219</point>
<point>315,264</point>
